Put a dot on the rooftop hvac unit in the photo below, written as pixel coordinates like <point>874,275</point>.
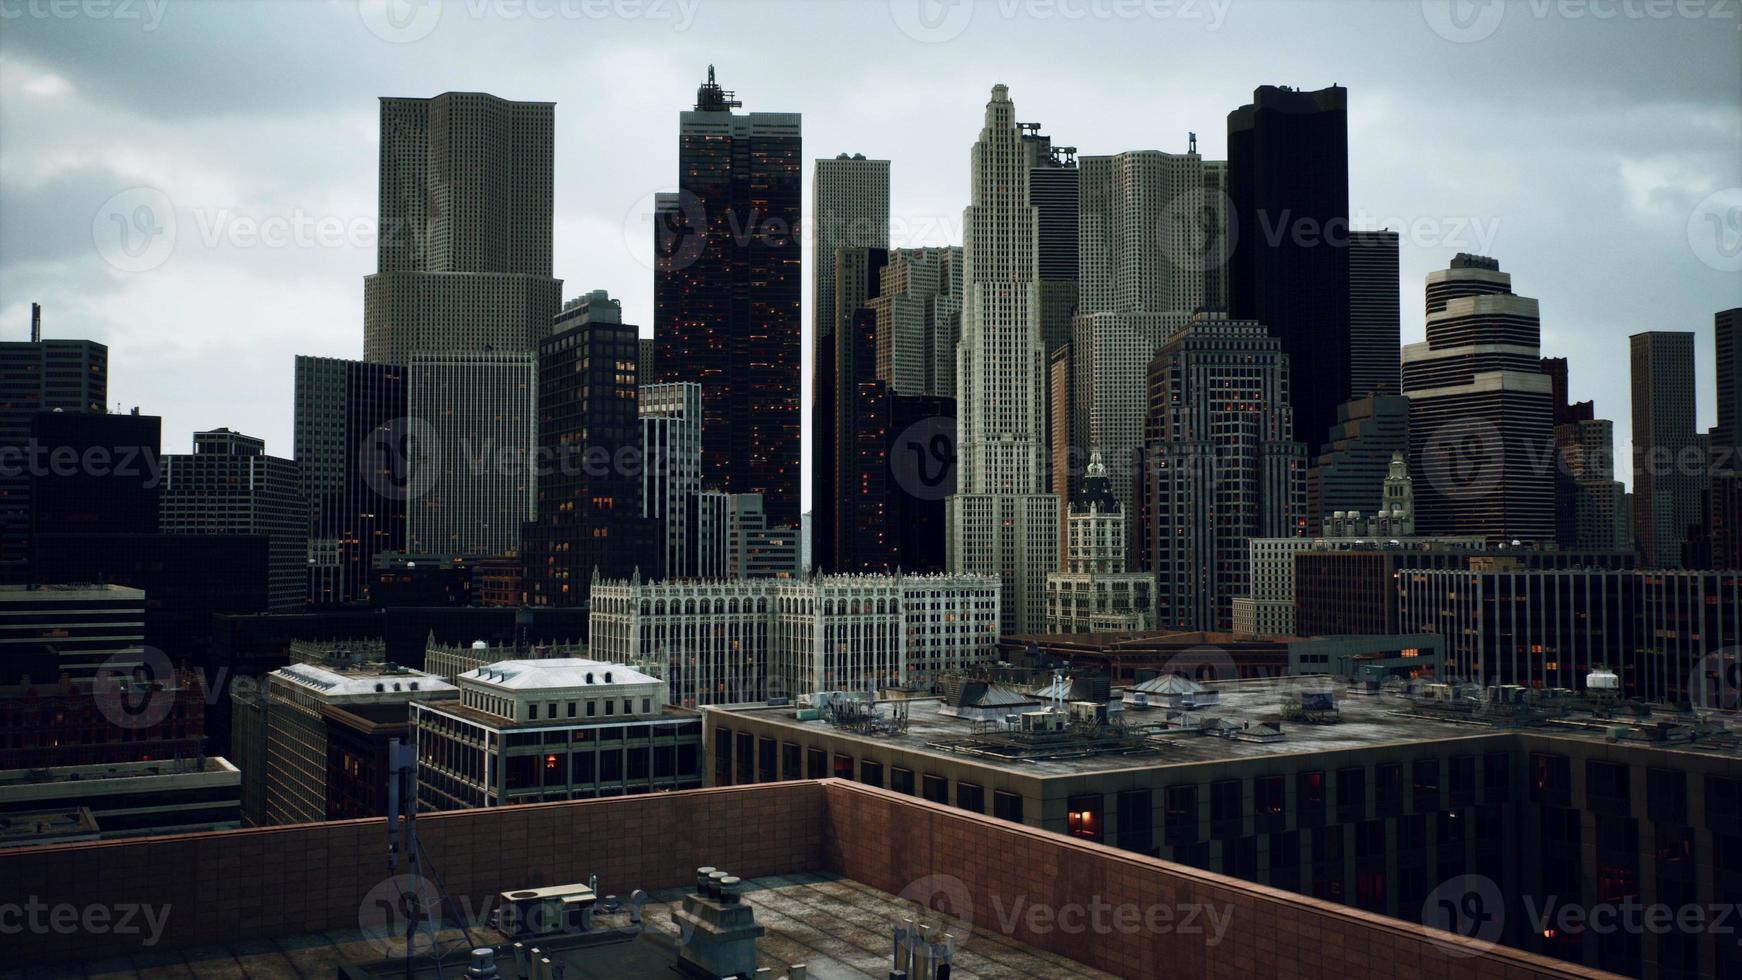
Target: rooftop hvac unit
<point>1602,679</point>
<point>1089,712</point>
<point>540,911</point>
<point>1042,722</point>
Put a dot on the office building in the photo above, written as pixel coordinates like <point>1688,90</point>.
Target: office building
<point>39,375</point>
<point>229,485</point>
<point>1219,467</point>
<point>536,731</point>
<point>707,528</point>
<point>87,629</point>
<point>1053,191</point>
<point>1348,473</point>
<point>1268,608</point>
<point>1723,518</point>
<point>113,717</point>
<point>858,277</point>
<point>755,548</point>
<point>1288,186</point>
<point>726,292</point>
<point>1481,422</point>
<point>1375,314</point>
<point>121,497</point>
<point>1001,520</point>
<point>589,465</point>
<point>671,454</point>
<point>1095,593</point>
<point>352,454</point>
<point>918,307</point>
<point>472,474</point>
<point>163,797</point>
<point>732,641</point>
<point>1669,459</point>
<point>327,731</point>
<point>463,260</point>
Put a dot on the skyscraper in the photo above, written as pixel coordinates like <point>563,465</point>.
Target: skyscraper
<point>464,254</point>
<point>1288,183</point>
<point>1375,313</point>
<point>1724,498</point>
<point>918,307</point>
<point>351,455</point>
<point>1481,412</point>
<point>230,486</point>
<point>39,376</point>
<point>589,465</point>
<point>1348,474</point>
<point>1002,521</point>
<point>1219,467</point>
<point>1669,461</point>
<point>1054,193</point>
<point>857,278</point>
<point>471,482</point>
<point>726,292</point>
<point>671,453</point>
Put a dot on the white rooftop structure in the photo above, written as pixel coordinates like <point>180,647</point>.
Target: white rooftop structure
<point>562,672</point>
<point>367,682</point>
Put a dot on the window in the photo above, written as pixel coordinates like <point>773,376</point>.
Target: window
<point>1551,779</point>
<point>592,708</point>
<point>1388,789</point>
<point>611,766</point>
<point>816,764</point>
<point>901,780</point>
<point>1351,795</point>
<point>789,761</point>
<point>871,773</point>
<point>1227,808</point>
<point>1426,785</point>
<point>1461,780</point>
<point>1137,821</point>
<point>1496,777</point>
<point>744,772</point>
<point>765,757</point>
<point>581,767</point>
<point>843,766</point>
<point>1607,790</point>
<point>1666,795</point>
<point>1310,798</point>
<point>1180,817</point>
<point>1083,816</point>
<point>1007,806</point>
<point>571,709</point>
<point>532,711</point>
<point>970,796</point>
<point>722,754</point>
<point>935,788</point>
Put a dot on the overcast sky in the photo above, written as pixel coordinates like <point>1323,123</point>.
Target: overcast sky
<point>1594,148</point>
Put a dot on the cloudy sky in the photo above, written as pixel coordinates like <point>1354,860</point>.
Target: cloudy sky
<point>1593,146</point>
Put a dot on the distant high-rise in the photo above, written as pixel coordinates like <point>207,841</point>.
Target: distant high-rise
<point>121,497</point>
<point>1219,467</point>
<point>1668,459</point>
<point>588,496</point>
<point>918,309</point>
<point>1375,313</point>
<point>351,454</point>
<point>1481,425</point>
<point>1288,183</point>
<point>1724,498</point>
<point>471,481</point>
<point>726,292</point>
<point>1001,521</point>
<point>1054,193</point>
<point>671,453</point>
<point>39,376</point>
<point>853,348</point>
<point>1348,474</point>
<point>1727,348</point>
<point>230,486</point>
<point>464,251</point>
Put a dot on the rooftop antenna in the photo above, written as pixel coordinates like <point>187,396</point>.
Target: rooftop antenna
<point>35,323</point>
<point>402,805</point>
<point>1193,138</point>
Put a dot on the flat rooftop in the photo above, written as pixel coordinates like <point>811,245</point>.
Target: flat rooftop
<point>115,770</point>
<point>1368,720</point>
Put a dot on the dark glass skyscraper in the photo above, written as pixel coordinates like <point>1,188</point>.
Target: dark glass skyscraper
<point>1288,182</point>
<point>727,257</point>
<point>38,376</point>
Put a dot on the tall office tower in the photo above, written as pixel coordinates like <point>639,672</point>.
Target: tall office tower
<point>1589,507</point>
<point>588,510</point>
<point>350,429</point>
<point>852,350</point>
<point>471,482</point>
<point>891,509</point>
<point>230,486</point>
<point>671,455</point>
<point>644,360</point>
<point>1348,474</point>
<point>849,209</point>
<point>1375,313</point>
<point>39,376</point>
<point>119,498</point>
<point>918,306</point>
<point>463,261</point>
<point>757,548</point>
<point>1001,521</point>
<point>595,306</point>
<point>1062,433</point>
<point>1215,216</point>
<point>727,257</point>
<point>707,530</point>
<point>1146,238</point>
<point>1219,467</point>
<point>1668,461</point>
<point>1095,593</point>
<point>1565,410</point>
<point>1053,183</point>
<point>1724,497</point>
<point>1481,413</point>
<point>1727,350</point>
<point>1288,183</point>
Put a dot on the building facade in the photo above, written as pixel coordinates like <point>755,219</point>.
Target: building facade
<point>1669,458</point>
<point>671,455</point>
<point>472,480</point>
<point>1375,314</point>
<point>231,486</point>
<point>39,376</point>
<point>1095,593</point>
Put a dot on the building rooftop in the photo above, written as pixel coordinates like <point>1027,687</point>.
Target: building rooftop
<point>1154,737</point>
<point>363,681</point>
<point>115,770</point>
<point>52,826</point>
<point>69,590</point>
<point>559,672</point>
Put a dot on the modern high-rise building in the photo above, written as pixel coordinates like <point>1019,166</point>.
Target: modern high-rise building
<point>587,514</point>
<point>1481,411</point>
<point>1727,350</point>
<point>471,477</point>
<point>1053,192</point>
<point>727,255</point>
<point>1348,472</point>
<point>918,308</point>
<point>1669,460</point>
<point>1095,593</point>
<point>671,454</point>
<point>351,432</point>
<point>1724,498</point>
<point>1001,521</point>
<point>231,486</point>
<point>1288,185</point>
<point>1375,314</point>
<point>755,547</point>
<point>1590,504</point>
<point>464,251</point>
<point>39,375</point>
<point>81,631</point>
<point>857,279</point>
<point>1219,467</point>
<point>121,497</point>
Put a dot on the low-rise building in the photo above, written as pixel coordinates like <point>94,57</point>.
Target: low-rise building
<point>132,799</point>
<point>1095,593</point>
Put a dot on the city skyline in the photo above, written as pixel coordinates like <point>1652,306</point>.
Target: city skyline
<point>1633,174</point>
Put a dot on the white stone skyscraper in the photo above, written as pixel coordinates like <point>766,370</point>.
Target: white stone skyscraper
<point>1002,521</point>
